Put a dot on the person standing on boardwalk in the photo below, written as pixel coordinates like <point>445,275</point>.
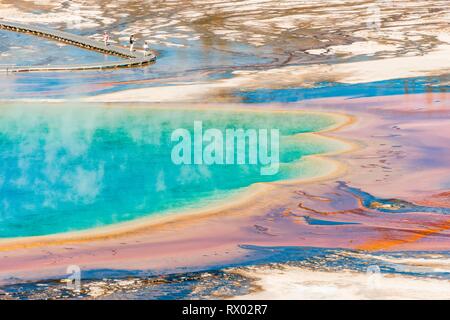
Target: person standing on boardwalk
<point>132,41</point>
<point>146,47</point>
<point>106,38</point>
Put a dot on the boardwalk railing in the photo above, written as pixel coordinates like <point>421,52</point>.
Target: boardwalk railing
<point>131,59</point>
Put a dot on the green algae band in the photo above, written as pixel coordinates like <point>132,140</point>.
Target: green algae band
<point>65,168</point>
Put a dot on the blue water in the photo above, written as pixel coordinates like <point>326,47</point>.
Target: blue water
<point>328,90</point>
<point>26,50</point>
<point>390,205</point>
<point>66,167</point>
<point>321,222</point>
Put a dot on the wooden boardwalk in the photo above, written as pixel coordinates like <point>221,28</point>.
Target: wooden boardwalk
<point>130,59</point>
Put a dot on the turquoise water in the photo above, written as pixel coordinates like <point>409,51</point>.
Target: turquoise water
<point>66,168</point>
